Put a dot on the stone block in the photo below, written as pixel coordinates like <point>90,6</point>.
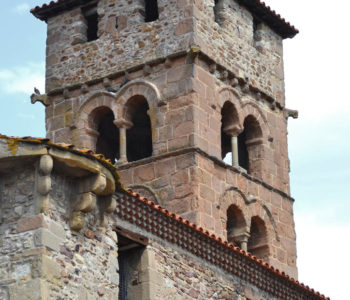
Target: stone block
<point>184,26</point>
<point>179,73</point>
<point>43,237</point>
<point>57,229</point>
<point>31,223</point>
<point>165,167</point>
<point>144,173</point>
<point>51,270</point>
<point>35,289</point>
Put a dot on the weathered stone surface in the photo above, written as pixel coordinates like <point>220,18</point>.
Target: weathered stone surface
<point>31,223</point>
<point>44,237</point>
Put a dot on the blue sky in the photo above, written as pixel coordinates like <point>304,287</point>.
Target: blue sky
<point>316,70</point>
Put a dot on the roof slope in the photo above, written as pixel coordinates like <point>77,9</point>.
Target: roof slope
<point>258,9</point>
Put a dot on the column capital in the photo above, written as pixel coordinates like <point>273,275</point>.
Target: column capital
<point>122,123</point>
<point>232,130</point>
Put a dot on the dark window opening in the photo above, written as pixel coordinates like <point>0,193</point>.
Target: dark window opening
<point>91,17</point>
<point>235,226</point>
<point>130,268</point>
<point>108,139</point>
<point>151,10</point>
<point>249,146</point>
<point>139,136</point>
<point>243,156</point>
<point>216,11</point>
<point>229,119</point>
<point>257,242</point>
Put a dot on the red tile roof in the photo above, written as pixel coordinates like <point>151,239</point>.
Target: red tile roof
<point>258,8</point>
<point>137,210</point>
<point>159,221</point>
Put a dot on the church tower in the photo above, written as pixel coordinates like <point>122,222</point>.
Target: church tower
<point>167,90</point>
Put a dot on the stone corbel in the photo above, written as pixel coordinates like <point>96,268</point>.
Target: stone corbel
<point>43,182</point>
<point>89,189</point>
<point>107,205</point>
<point>212,68</point>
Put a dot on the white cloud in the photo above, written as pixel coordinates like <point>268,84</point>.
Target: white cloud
<point>322,255</point>
<point>22,79</point>
<point>22,8</point>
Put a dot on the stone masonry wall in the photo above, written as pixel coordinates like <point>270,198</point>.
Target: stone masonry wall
<point>40,257</point>
<point>190,114</point>
<point>231,42</point>
<point>164,271</point>
<point>201,189</point>
<point>71,60</point>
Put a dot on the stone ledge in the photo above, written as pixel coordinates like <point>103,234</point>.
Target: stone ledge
<point>212,158</point>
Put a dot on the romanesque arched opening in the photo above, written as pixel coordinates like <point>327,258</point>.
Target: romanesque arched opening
<point>139,136</point>
<point>235,226</point>
<point>229,126</point>
<point>258,242</point>
<point>249,146</point>
<point>107,142</point>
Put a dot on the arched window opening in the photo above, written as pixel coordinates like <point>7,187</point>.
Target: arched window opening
<point>139,136</point>
<point>258,243</point>
<point>229,121</point>
<point>151,10</point>
<point>236,226</point>
<point>243,155</point>
<point>249,146</point>
<point>108,134</point>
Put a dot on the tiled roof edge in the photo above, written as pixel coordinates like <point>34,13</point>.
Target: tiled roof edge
<point>256,7</point>
<point>73,149</point>
<point>200,242</point>
<point>264,13</point>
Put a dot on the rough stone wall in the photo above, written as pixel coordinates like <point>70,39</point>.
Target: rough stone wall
<point>41,258</point>
<point>190,115</point>
<point>231,42</point>
<point>211,94</point>
<point>201,190</point>
<point>67,116</point>
<point>71,60</point>
<point>165,271</point>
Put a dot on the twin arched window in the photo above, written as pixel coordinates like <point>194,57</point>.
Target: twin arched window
<point>241,145</point>
<point>126,141</point>
<point>253,239</point>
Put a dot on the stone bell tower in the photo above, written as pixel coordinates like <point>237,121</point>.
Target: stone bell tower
<point>167,89</point>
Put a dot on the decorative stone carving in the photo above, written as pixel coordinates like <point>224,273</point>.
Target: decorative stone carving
<point>39,98</point>
<point>43,182</point>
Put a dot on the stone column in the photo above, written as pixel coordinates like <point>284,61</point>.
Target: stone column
<point>233,131</point>
<point>234,145</point>
<point>244,241</point>
<point>123,125</point>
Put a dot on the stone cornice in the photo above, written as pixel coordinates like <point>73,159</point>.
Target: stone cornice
<point>235,79</point>
<point>212,158</point>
